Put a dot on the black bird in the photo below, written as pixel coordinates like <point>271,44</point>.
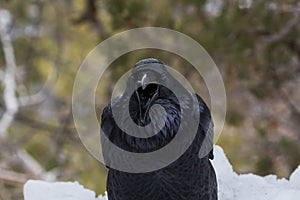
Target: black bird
<point>189,177</point>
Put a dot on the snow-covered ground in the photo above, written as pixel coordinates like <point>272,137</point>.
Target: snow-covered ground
<point>252,187</point>
<point>231,186</point>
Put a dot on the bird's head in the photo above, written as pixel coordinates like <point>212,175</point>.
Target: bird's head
<point>146,78</point>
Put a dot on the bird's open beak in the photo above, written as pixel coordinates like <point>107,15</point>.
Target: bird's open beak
<point>146,95</point>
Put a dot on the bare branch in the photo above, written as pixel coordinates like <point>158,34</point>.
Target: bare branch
<point>9,82</point>
<point>13,176</point>
<point>90,15</point>
<point>11,101</point>
<point>286,29</point>
<point>32,100</point>
<point>41,95</point>
<point>34,167</point>
<point>29,162</point>
<point>1,76</point>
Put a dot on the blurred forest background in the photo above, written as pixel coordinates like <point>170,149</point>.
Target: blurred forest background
<point>255,44</point>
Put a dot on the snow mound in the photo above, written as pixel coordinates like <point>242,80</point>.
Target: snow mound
<point>231,186</point>
<point>249,186</point>
<point>41,190</point>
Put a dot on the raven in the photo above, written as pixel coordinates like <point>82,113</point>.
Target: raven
<point>189,177</point>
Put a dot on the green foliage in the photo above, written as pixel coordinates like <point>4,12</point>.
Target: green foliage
<point>38,147</point>
<point>235,118</point>
<point>290,150</point>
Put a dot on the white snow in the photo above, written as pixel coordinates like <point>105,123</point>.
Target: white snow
<point>41,190</point>
<point>249,186</point>
<point>231,186</point>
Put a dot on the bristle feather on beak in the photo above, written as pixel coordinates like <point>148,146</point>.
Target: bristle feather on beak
<point>143,82</point>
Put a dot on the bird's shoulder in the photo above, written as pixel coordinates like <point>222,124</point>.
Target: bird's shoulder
<point>107,119</point>
<point>205,114</point>
<point>107,110</point>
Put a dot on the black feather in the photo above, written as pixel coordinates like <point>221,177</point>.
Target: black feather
<point>187,178</point>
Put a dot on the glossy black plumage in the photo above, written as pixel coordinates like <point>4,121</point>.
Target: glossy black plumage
<point>187,178</point>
